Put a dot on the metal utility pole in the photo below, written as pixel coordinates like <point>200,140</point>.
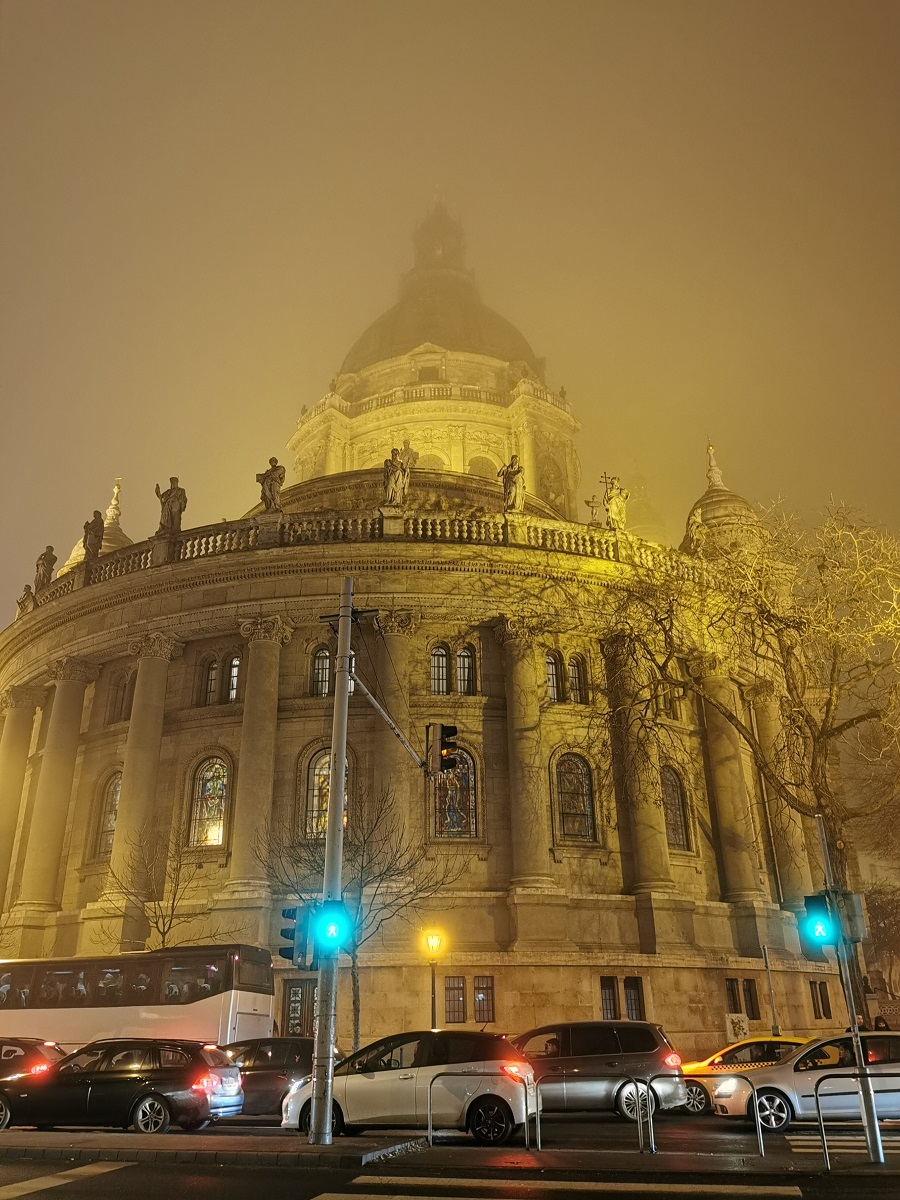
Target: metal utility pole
<point>866,1095</point>
<point>776,1028</point>
<point>323,1052</point>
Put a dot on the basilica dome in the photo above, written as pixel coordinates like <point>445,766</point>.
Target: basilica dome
<point>439,304</point>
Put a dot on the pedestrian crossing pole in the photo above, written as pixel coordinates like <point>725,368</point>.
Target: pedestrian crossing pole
<point>323,1052</point>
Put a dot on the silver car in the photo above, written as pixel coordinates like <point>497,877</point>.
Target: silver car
<point>786,1091</point>
<point>583,1065</point>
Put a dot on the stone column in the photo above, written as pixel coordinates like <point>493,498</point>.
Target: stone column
<point>635,726</point>
<point>256,768</point>
<point>737,836</point>
<point>394,769</point>
<point>54,790</point>
<point>788,841</point>
<point>137,798</point>
<point>19,703</point>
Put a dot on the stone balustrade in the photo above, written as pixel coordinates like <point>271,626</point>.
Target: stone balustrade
<point>434,391</point>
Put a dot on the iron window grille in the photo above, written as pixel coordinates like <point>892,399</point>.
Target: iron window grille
<point>634,998</point>
<point>751,1000</point>
<point>553,689</point>
<point>484,999</point>
<point>234,670</point>
<point>440,671</point>
<point>609,997</point>
<point>675,810</point>
<point>454,999</point>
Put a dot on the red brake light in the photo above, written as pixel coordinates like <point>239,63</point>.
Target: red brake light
<point>38,1067</point>
<point>210,1046</point>
<point>207,1084</point>
<point>50,1044</point>
<point>514,1070</point>
<point>673,1059</point>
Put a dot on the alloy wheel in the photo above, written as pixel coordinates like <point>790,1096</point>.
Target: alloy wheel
<point>697,1099</point>
<point>151,1116</point>
<point>774,1111</point>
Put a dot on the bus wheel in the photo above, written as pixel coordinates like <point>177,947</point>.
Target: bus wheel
<point>151,1115</point>
<point>5,1114</point>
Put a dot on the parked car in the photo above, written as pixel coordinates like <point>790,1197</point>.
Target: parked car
<point>145,1083</point>
<point>786,1092</point>
<point>386,1084</point>
<point>27,1054</point>
<point>745,1055</point>
<point>269,1066</point>
<point>584,1065</point>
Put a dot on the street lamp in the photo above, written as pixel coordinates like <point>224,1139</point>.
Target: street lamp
<point>434,942</point>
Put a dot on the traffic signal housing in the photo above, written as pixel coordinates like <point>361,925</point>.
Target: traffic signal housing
<point>820,926</point>
<point>442,749</point>
<point>294,933</point>
<point>331,926</point>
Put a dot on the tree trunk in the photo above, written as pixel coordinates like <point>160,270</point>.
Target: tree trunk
<point>837,852</point>
<point>354,982</point>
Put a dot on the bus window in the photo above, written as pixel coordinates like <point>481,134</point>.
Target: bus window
<point>119,982</point>
<point>109,983</point>
<point>59,987</point>
<point>187,980</point>
<point>15,984</point>
<point>254,976</point>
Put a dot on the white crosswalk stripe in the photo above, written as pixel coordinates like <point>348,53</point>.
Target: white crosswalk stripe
<point>42,1183</point>
<point>848,1142</point>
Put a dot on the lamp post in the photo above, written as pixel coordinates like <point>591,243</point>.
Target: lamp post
<point>434,941</point>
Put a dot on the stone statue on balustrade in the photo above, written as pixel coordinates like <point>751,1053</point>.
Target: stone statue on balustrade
<point>93,535</point>
<point>512,475</point>
<point>43,569</point>
<point>594,504</point>
<point>26,603</point>
<point>615,500</point>
<point>696,532</point>
<point>271,482</point>
<point>396,480</point>
<point>173,502</point>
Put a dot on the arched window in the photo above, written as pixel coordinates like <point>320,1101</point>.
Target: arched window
<point>454,800</point>
<point>128,696</point>
<point>109,810</point>
<point>234,671</point>
<point>554,689</point>
<point>465,671</point>
<point>318,784</point>
<point>209,797</point>
<point>321,673</point>
<point>482,467</point>
<point>574,797</point>
<point>678,831</point>
<point>211,683</point>
<point>577,692</point>
<point>431,462</point>
<point>440,672</point>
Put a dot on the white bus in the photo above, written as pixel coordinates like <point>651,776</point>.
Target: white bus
<point>200,993</point>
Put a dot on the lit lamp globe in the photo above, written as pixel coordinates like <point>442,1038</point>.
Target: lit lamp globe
<point>434,942</point>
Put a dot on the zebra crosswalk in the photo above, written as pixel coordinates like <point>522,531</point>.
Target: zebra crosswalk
<point>845,1141</point>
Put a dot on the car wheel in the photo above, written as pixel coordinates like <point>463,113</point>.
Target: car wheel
<point>193,1126</point>
<point>490,1121</point>
<point>337,1120</point>
<point>697,1101</point>
<point>626,1103</point>
<point>151,1115</point>
<point>5,1114</point>
<point>775,1112</point>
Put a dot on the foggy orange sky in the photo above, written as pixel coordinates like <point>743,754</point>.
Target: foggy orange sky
<point>690,209</point>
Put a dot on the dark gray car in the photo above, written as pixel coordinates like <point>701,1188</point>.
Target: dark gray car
<point>584,1065</point>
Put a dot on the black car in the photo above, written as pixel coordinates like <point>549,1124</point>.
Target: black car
<point>27,1054</point>
<point>268,1068</point>
<point>142,1082</point>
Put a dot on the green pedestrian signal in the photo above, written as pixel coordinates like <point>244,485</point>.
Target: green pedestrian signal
<point>820,925</point>
<point>331,925</point>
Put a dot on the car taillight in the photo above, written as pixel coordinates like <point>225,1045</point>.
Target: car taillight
<point>514,1070</point>
<point>38,1067</point>
<point>207,1084</point>
<point>673,1059</point>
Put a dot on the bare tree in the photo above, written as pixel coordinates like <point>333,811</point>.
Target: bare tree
<point>386,874</point>
<point>883,905</point>
<point>157,894</point>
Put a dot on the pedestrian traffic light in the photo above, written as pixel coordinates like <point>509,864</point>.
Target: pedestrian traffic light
<point>820,925</point>
<point>442,749</point>
<point>331,925</point>
<point>294,932</point>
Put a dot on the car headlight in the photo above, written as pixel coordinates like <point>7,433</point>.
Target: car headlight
<point>725,1088</point>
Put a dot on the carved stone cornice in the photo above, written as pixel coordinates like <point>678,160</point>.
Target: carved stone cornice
<point>518,629</point>
<point>77,669</point>
<point>23,695</point>
<point>156,645</point>
<point>267,629</point>
<point>398,622</point>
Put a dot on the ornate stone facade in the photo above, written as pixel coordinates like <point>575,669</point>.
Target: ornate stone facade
<point>602,867</point>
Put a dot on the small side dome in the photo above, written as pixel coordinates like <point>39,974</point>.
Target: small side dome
<point>114,536</point>
<point>720,519</point>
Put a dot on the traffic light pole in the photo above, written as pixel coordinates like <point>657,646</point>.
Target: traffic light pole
<point>866,1095</point>
<point>326,1000</point>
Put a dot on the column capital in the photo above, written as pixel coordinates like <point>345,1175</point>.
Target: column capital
<point>156,645</point>
<point>404,623</point>
<point>705,665</point>
<point>518,629</point>
<point>77,669</point>
<point>23,695</point>
<point>268,629</point>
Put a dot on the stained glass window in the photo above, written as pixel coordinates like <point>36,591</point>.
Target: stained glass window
<point>574,796</point>
<point>440,684</point>
<point>675,811</point>
<point>454,799</point>
<point>234,670</point>
<point>465,671</point>
<point>576,681</point>
<point>211,695</point>
<point>109,810</point>
<point>317,790</point>
<point>210,795</point>
<point>553,678</point>
<point>321,672</point>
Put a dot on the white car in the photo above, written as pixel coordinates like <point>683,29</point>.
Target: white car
<point>386,1084</point>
